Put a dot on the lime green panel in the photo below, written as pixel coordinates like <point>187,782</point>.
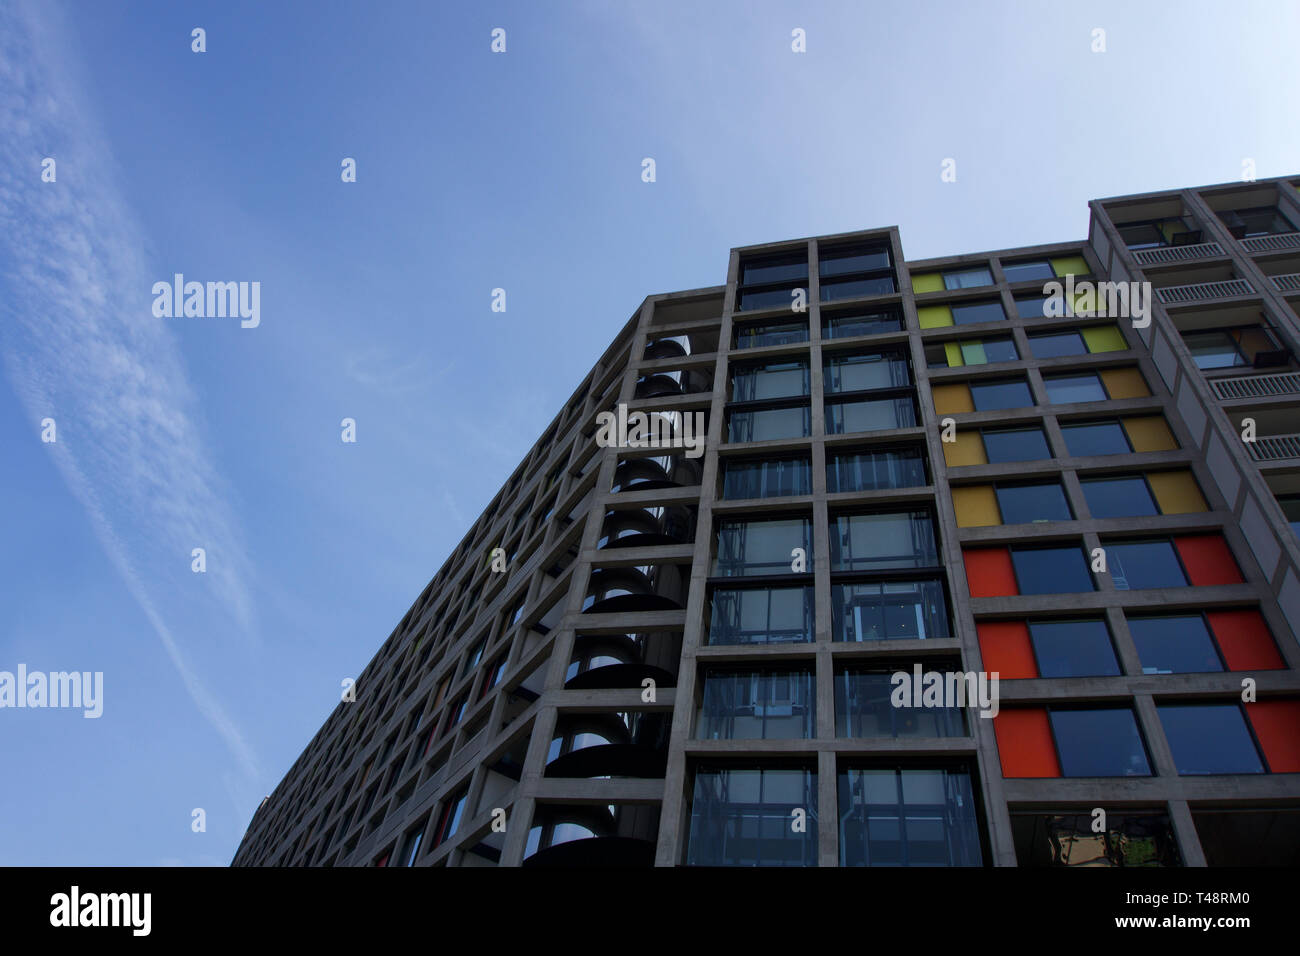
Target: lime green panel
<point>933,282</point>
<point>1104,338</point>
<point>934,316</point>
<point>1076,265</point>
<point>953,351</point>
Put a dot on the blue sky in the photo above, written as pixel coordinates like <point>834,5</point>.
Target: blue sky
<point>475,170</point>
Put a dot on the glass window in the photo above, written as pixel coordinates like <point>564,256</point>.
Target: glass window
<point>1073,648</point>
<point>1209,739</point>
<point>989,350</point>
<point>852,372</point>
<point>786,379</point>
<point>1213,350</point>
<point>837,262</point>
<point>1057,344</point>
<point>1064,389</point>
<point>852,288</point>
<point>968,313</point>
<point>1006,393</point>
<point>1042,501</point>
<point>1028,269</point>
<point>1133,838</point>
<point>762,616</point>
<point>1291,510</point>
<point>967,278</point>
<point>860,323</point>
<point>774,269</point>
<point>1101,742</point>
<point>1137,565</point>
<point>768,424</point>
<point>1126,496</point>
<point>1256,221</point>
<point>908,817</point>
<point>1003,445</point>
<point>1140,235</point>
<point>889,610</point>
<point>767,298</point>
<point>760,547</point>
<point>880,541</point>
<point>1174,644</point>
<point>1095,438</point>
<point>1031,307</point>
<point>843,418</point>
<point>743,817</point>
<point>875,470</point>
<point>771,333</point>
<point>452,812</point>
<point>766,479</point>
<point>863,708</point>
<point>757,705</point>
<point>1051,570</point>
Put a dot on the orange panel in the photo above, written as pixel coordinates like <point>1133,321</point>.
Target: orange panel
<point>1006,650</point>
<point>1277,725</point>
<point>989,572</point>
<point>1025,743</point>
<point>1245,641</point>
<point>1207,560</point>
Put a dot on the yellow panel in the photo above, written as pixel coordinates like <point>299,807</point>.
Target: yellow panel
<point>934,316</point>
<point>976,506</point>
<point>933,282</point>
<point>1071,265</point>
<point>1104,338</point>
<point>1149,433</point>
<point>1124,383</point>
<point>1176,492</point>
<point>968,449</point>
<point>952,399</point>
<point>953,351</point>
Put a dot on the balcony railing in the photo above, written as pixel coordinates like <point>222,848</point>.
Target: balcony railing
<point>1203,291</point>
<point>1275,447</point>
<point>1287,283</point>
<point>1256,386</point>
<point>1156,257</point>
<point>1279,242</point>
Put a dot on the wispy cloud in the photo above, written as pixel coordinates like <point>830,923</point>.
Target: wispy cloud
<point>81,347</point>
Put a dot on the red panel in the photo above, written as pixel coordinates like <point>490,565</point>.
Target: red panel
<point>989,572</point>
<point>1277,725</point>
<point>1207,560</point>
<point>1006,650</point>
<point>1245,640</point>
<point>1025,743</point>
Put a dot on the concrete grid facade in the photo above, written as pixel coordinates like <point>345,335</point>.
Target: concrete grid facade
<point>506,720</point>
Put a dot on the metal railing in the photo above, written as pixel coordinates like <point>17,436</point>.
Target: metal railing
<point>1256,386</point>
<point>1203,291</point>
<point>1279,242</point>
<point>1275,447</point>
<point>1290,282</point>
<point>1155,257</point>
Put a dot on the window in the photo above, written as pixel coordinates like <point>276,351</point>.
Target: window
<point>843,418</point>
<point>969,313</point>
<point>757,705</point>
<point>1028,269</point>
<point>742,817</point>
<point>473,657</point>
<point>1125,496</point>
<point>769,281</point>
<point>1256,221</point>
<point>411,848</point>
<point>844,325</point>
<point>1002,445</point>
<point>1064,389</point>
<point>880,541</point>
<point>971,352</point>
<point>771,333</point>
<point>452,811</point>
<point>1056,344</point>
<point>995,395</point>
<point>1099,742</point>
<point>1213,350</point>
<point>1291,510</point>
<point>908,817</point>
<point>1027,503</point>
<point>766,478</point>
<point>785,379</point>
<point>851,271</point>
<point>1073,648</point>
<point>854,288</point>
<point>967,278</point>
<point>761,616</point>
<point>1138,565</point>
<point>1209,739</point>
<point>1095,438</point>
<point>889,611</point>
<point>768,424</point>
<point>1032,307</point>
<point>1131,838</point>
<point>850,372</point>
<point>863,707</point>
<point>760,546</point>
<point>1050,570</point>
<point>875,470</point>
<point>1174,644</point>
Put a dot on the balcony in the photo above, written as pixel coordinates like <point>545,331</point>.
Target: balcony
<point>1203,291</point>
<point>1275,448</point>
<point>1277,242</point>
<point>1256,386</point>
<point>1166,254</point>
<point>1287,283</point>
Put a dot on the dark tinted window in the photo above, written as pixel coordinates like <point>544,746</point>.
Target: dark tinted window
<point>1030,306</point>
<point>852,372</point>
<point>762,616</point>
<point>863,708</point>
<point>908,817</point>
<point>777,269</point>
<point>767,479</point>
<point>1123,497</point>
<point>1073,648</point>
<point>741,817</point>
<point>1051,570</point>
<point>756,705</point>
<point>870,323</point>
<point>835,262</point>
<point>874,415</point>
<point>1174,644</point>
<point>1136,565</point>
<point>1015,444</point>
<point>771,333</point>
<point>1095,438</point>
<point>890,610</point>
<point>872,470</point>
<point>766,298</point>
<point>1209,739</point>
<point>1065,389</point>
<point>1057,344</point>
<point>1008,393</point>
<point>1021,504</point>
<point>1029,269</point>
<point>1099,743</point>
<point>851,288</point>
<point>768,423</point>
<point>880,541</point>
<point>968,313</point>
